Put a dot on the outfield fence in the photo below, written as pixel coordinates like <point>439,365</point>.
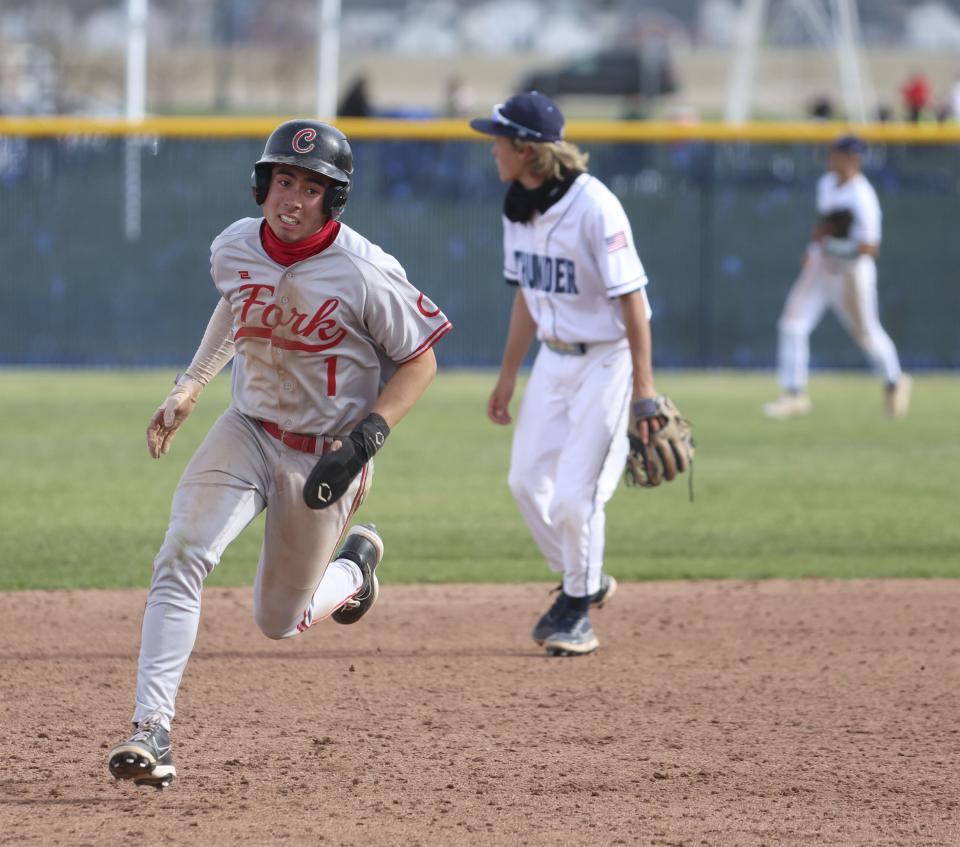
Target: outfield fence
<point>105,231</point>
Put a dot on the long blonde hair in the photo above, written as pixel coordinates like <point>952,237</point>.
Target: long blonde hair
<point>548,158</point>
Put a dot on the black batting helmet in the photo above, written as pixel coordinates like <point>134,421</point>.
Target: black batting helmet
<point>316,146</point>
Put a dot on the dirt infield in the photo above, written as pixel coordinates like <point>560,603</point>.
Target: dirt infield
<point>714,713</point>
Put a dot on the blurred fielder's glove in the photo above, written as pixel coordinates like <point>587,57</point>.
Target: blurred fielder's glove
<point>836,224</point>
<point>835,234</point>
<point>334,471</point>
<point>667,452</point>
<point>171,414</point>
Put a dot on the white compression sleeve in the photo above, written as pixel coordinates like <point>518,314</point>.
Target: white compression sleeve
<point>216,346</point>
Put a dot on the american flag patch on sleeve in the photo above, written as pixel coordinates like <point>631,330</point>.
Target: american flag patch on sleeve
<point>617,241</point>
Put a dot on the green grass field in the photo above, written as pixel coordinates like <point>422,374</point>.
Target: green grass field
<point>843,493</point>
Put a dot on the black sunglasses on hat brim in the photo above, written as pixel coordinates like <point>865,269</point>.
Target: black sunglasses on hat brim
<point>530,116</point>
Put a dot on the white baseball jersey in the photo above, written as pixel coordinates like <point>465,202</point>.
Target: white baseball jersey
<point>316,341</point>
<point>857,196</point>
<point>847,285</point>
<point>572,261</point>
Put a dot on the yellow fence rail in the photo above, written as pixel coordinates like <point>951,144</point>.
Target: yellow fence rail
<point>458,130</point>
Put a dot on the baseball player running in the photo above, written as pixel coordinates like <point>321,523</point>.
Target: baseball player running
<point>839,271</point>
<point>569,252</point>
<point>332,346</point>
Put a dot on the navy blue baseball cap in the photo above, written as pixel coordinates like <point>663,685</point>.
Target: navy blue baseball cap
<point>530,116</point>
<point>850,144</point>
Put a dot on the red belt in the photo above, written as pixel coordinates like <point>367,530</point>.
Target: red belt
<point>293,440</point>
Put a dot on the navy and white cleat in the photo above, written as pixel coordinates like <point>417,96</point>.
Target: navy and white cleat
<point>549,621</point>
<point>574,636</point>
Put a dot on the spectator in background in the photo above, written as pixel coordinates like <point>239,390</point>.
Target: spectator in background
<point>636,107</point>
<point>356,102</point>
<point>457,98</point>
<point>955,101</point>
<point>916,96</point>
<point>821,108</point>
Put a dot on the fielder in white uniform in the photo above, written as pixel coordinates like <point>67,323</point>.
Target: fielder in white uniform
<point>839,272</point>
<point>569,252</point>
<point>329,342</point>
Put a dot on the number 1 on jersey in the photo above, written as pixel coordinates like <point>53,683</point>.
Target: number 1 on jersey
<point>331,376</point>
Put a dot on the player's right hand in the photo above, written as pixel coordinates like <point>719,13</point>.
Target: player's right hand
<point>170,415</point>
<point>498,406</point>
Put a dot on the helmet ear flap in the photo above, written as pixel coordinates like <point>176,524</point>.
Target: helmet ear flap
<point>335,198</point>
<point>260,182</point>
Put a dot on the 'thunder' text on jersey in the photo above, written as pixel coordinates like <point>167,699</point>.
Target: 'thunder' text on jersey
<point>546,273</point>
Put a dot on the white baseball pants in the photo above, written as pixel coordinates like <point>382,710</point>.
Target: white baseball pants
<point>849,287</point>
<point>569,451</point>
<point>238,471</point>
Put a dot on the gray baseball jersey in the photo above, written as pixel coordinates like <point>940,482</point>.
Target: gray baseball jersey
<point>316,341</point>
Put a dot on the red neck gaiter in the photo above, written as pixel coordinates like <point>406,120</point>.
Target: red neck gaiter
<point>289,254</point>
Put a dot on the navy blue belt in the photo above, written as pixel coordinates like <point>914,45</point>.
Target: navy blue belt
<point>567,348</point>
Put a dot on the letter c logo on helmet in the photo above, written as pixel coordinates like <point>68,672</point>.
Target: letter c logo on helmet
<point>303,140</point>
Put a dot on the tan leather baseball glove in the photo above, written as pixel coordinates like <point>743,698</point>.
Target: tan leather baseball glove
<point>668,451</point>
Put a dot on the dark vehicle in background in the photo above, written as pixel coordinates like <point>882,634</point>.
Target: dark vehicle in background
<point>645,71</point>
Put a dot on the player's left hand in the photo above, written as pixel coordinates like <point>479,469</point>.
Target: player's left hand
<point>661,442</point>
<point>647,426</point>
<point>334,471</point>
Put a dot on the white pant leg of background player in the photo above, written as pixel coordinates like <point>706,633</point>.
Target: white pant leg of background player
<point>540,434</point>
<point>805,305</point>
<point>591,464</point>
<point>855,301</point>
<point>224,487</point>
<point>569,450</point>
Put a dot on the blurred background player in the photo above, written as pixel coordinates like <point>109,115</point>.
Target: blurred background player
<point>568,250</point>
<point>840,272</point>
<point>332,346</point>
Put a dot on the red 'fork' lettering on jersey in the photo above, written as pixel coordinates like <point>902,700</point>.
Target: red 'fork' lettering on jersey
<point>244,274</point>
<point>322,324</point>
<point>272,317</point>
<point>252,300</point>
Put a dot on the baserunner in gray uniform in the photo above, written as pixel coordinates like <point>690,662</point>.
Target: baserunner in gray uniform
<point>331,347</point>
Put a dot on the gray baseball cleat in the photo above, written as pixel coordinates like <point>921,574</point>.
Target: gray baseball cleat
<point>548,623</point>
<point>145,756</point>
<point>574,636</point>
<point>364,547</point>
